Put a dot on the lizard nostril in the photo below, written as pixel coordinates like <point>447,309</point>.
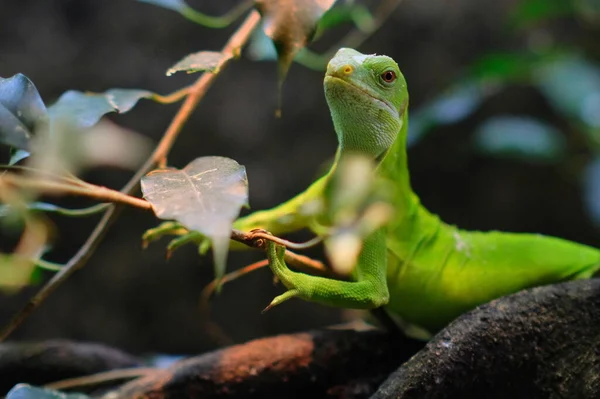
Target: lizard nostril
<point>348,70</point>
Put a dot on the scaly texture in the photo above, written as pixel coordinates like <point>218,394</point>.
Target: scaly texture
<point>434,271</point>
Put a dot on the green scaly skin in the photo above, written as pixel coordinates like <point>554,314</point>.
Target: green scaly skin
<point>425,271</point>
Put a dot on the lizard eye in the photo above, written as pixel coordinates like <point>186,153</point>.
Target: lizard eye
<point>388,76</point>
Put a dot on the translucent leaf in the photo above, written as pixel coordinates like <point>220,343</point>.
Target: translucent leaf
<point>71,147</point>
<point>201,61</point>
<point>205,196</point>
<point>591,190</point>
<point>520,137</point>
<point>291,24</point>
<point>24,391</point>
<point>22,111</point>
<point>83,110</point>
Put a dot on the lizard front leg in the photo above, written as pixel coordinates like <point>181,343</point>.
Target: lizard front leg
<point>368,289</point>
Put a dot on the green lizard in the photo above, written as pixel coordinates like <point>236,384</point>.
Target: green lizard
<point>423,270</point>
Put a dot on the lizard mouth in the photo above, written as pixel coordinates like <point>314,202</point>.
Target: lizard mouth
<point>363,91</point>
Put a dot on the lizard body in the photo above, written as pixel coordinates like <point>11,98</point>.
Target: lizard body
<point>423,270</point>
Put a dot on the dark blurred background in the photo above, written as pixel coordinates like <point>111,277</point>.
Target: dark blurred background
<point>136,300</point>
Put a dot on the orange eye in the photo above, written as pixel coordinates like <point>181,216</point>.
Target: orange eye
<point>388,76</point>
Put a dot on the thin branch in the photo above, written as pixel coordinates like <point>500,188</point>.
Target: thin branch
<point>209,290</point>
<point>202,85</point>
<point>102,378</point>
<point>67,178</point>
<point>301,262</point>
<point>253,239</point>
<point>54,187</point>
<point>233,46</point>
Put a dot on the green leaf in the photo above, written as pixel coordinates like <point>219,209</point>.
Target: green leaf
<point>83,110</point>
<point>291,25</point>
<point>521,138</point>
<point>22,111</point>
<point>201,61</point>
<point>15,272</point>
<point>25,391</point>
<point>205,196</point>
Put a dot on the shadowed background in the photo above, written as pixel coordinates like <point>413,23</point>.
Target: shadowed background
<point>133,298</point>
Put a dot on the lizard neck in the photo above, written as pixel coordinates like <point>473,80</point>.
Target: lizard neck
<point>410,213</point>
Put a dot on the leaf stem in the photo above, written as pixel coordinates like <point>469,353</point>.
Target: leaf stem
<point>173,97</point>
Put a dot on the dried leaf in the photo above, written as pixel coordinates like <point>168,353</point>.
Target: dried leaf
<point>205,196</point>
<point>291,25</point>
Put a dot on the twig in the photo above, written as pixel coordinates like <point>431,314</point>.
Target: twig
<point>67,178</point>
<point>254,237</point>
<point>233,46</point>
<point>202,85</point>
<point>102,378</point>
<point>92,191</point>
<point>295,260</point>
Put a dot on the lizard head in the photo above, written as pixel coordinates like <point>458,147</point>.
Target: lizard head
<point>367,97</point>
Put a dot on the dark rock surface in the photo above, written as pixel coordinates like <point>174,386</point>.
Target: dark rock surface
<point>539,343</point>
